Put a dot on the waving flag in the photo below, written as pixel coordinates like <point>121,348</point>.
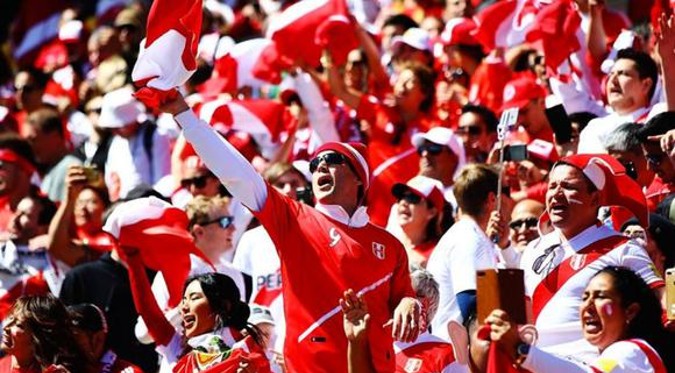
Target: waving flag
<point>305,28</point>
<point>261,118</point>
<point>556,26</point>
<point>159,231</point>
<point>168,54</point>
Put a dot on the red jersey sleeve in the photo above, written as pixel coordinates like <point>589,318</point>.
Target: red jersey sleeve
<point>368,108</point>
<point>275,216</point>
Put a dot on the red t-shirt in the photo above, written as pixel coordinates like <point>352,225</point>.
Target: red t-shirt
<point>657,192</point>
<point>320,259</point>
<point>487,84</point>
<point>428,354</point>
<point>6,366</point>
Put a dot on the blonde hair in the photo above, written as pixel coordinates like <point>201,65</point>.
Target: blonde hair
<point>203,209</point>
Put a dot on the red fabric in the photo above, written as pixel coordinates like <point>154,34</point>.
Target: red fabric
<point>487,84</point>
<point>153,237</point>
<point>257,361</point>
<point>390,162</point>
<point>489,21</point>
<point>295,31</point>
<point>429,357</point>
<point>184,17</point>
<point>51,56</point>
<point>9,155</point>
<point>564,271</point>
<point>556,26</point>
<point>99,240</point>
<point>270,64</point>
<point>659,7</point>
<point>228,116</point>
<point>500,362</point>
<point>364,259</point>
<point>657,192</point>
<point>6,366</point>
<point>26,285</point>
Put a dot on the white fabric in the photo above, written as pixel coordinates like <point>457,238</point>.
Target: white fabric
<point>558,322</point>
<point>257,256</point>
<point>319,114</point>
<point>462,250</point>
<point>173,351</point>
<point>163,61</point>
<point>128,161</point>
<point>620,357</point>
<point>592,138</point>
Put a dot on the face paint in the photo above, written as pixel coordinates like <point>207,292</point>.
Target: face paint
<point>576,201</point>
<point>608,309</point>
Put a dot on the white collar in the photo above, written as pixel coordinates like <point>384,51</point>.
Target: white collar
<point>359,219</point>
<point>634,115</point>
<point>205,340</point>
<point>581,240</point>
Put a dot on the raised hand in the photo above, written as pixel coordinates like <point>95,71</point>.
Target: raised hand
<point>355,316</point>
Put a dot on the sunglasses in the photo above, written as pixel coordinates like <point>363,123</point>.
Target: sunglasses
<point>411,198</point>
<point>199,182</point>
<point>224,221</point>
<point>329,158</point>
<point>529,223</point>
<point>431,149</point>
<point>470,130</point>
<point>545,262</point>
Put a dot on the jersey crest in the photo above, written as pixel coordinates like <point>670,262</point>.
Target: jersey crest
<point>378,250</point>
<point>577,261</point>
<point>413,365</point>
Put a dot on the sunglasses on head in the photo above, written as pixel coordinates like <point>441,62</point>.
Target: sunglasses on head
<point>223,221</point>
<point>529,223</point>
<point>199,181</point>
<point>329,158</point>
<point>470,130</point>
<point>430,148</point>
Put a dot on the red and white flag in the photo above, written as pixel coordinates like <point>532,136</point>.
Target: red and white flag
<point>168,54</point>
<point>251,63</point>
<point>505,23</point>
<point>159,231</point>
<point>36,24</point>
<point>556,27</point>
<point>305,28</point>
<point>260,118</point>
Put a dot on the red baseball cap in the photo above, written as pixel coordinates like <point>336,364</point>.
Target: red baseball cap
<point>459,31</point>
<point>520,91</point>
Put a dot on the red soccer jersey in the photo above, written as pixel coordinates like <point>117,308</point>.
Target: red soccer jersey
<point>428,354</point>
<point>320,259</point>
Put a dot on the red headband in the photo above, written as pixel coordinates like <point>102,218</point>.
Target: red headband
<point>9,155</point>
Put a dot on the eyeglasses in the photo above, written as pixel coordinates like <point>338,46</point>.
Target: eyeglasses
<point>329,158</point>
<point>411,198</point>
<point>654,159</point>
<point>199,182</point>
<point>545,262</point>
<point>430,148</point>
<point>529,223</point>
<point>224,221</point>
<point>469,130</point>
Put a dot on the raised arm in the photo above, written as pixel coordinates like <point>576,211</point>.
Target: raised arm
<point>355,321</point>
<point>60,235</point>
<point>337,84</point>
<point>666,50</point>
<point>233,170</point>
<point>320,117</point>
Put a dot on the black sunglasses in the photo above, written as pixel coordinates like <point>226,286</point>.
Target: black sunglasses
<point>411,198</point>
<point>329,158</point>
<point>431,148</point>
<point>199,181</point>
<point>543,263</point>
<point>529,223</point>
<point>223,221</point>
<point>470,130</point>
<point>654,159</point>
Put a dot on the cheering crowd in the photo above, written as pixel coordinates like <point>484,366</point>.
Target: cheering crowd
<point>312,185</point>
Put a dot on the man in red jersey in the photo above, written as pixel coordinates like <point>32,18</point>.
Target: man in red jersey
<point>323,250</point>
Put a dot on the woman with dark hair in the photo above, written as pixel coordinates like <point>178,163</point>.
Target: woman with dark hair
<point>418,218</point>
<point>216,333</point>
<point>620,315</point>
<point>76,231</point>
<point>37,338</point>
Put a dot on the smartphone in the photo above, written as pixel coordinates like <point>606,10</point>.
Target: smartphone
<point>559,120</point>
<point>515,153</point>
<point>92,173</point>
<point>501,289</point>
<point>305,195</point>
<point>670,293</point>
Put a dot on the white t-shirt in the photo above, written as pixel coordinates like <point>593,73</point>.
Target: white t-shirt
<point>462,250</point>
<point>257,257</point>
<point>592,138</point>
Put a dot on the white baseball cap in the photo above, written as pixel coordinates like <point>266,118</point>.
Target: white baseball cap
<point>260,315</point>
<point>414,37</point>
<point>443,136</point>
<point>120,108</point>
